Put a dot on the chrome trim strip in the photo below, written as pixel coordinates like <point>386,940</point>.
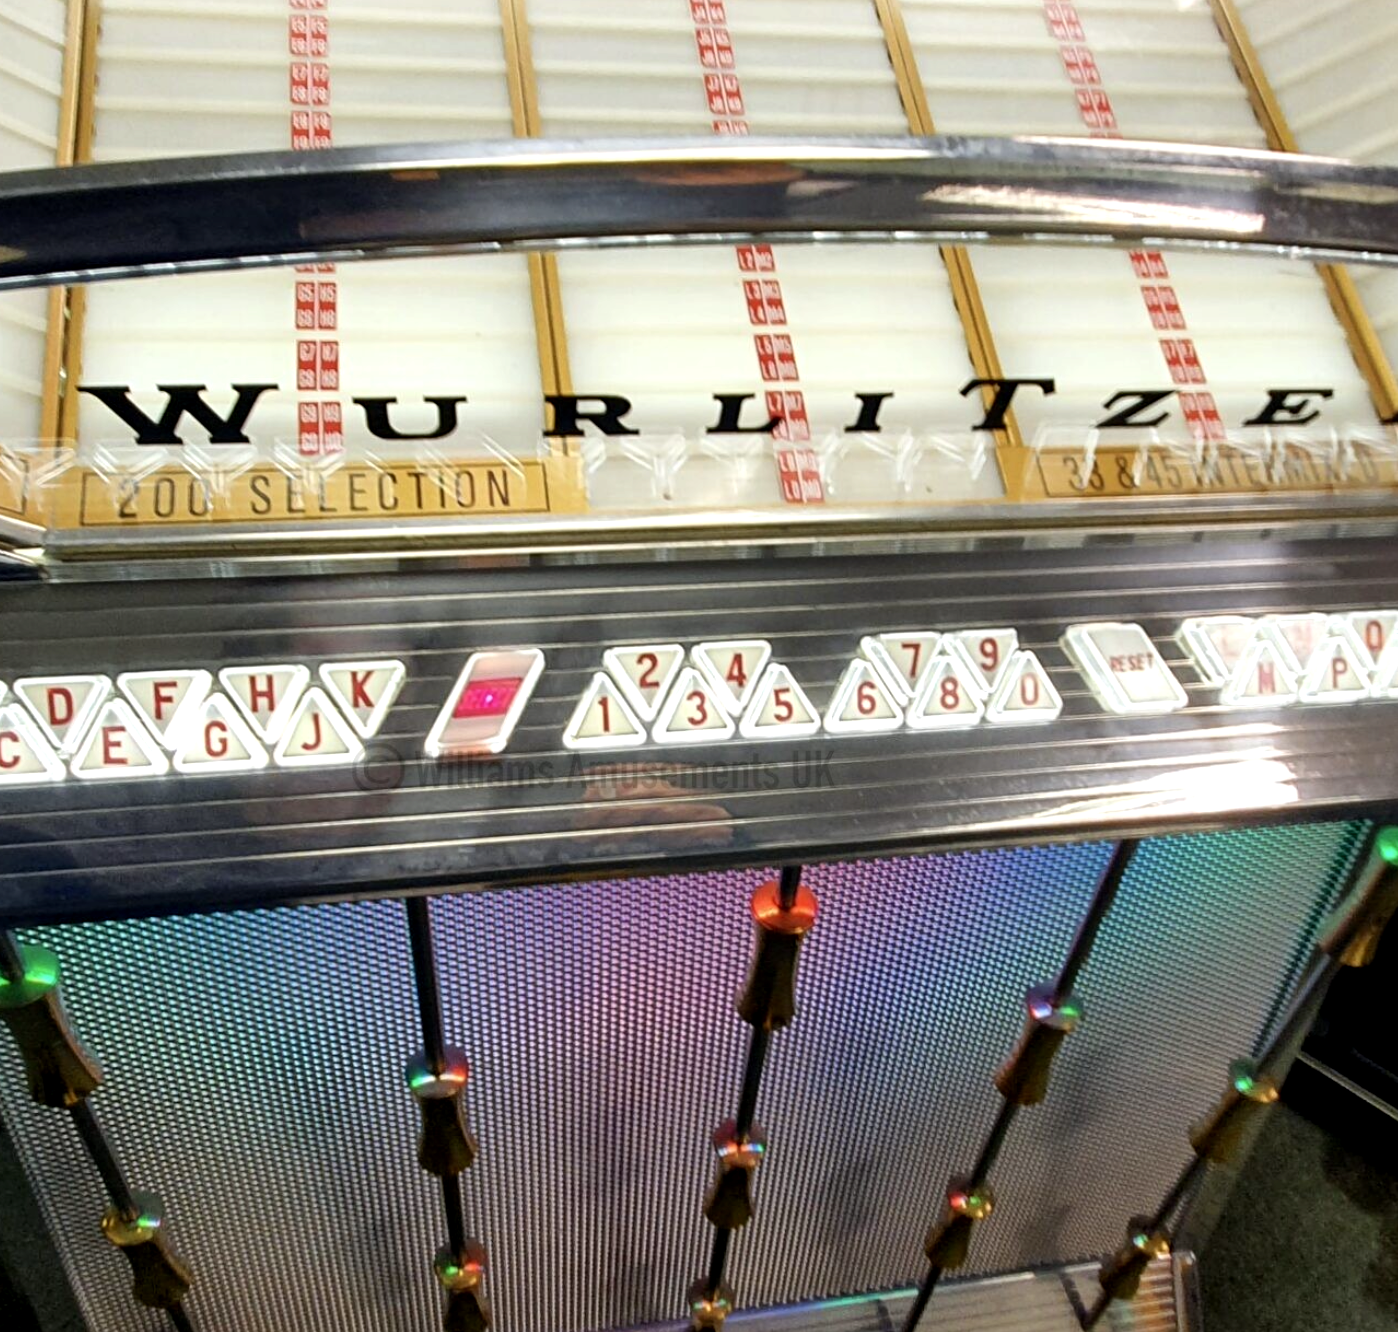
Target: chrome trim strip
<point>88,223</point>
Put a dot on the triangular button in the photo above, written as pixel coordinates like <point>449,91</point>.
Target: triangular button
<point>603,718</point>
<point>985,651</point>
<point>64,705</point>
<point>1298,636</point>
<point>733,668</point>
<point>645,674</point>
<point>364,689</point>
<point>1216,644</point>
<point>1025,693</point>
<point>779,708</point>
<point>1369,631</point>
<point>693,712</point>
<point>1261,679</point>
<point>219,740</point>
<point>118,745</point>
<point>863,702</point>
<point>165,700</point>
<point>950,697</point>
<point>265,695</point>
<point>25,756</point>
<point>902,659</point>
<point>1335,674</point>
<point>316,736</point>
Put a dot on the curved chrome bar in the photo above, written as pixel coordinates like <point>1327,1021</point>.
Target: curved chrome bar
<point>80,224</point>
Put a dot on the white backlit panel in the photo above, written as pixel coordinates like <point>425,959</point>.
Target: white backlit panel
<point>1222,329</point>
<point>671,328</point>
<point>211,76</point>
<point>1332,69</point>
<point>31,79</point>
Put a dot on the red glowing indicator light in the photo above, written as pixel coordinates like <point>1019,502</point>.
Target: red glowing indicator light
<point>487,698</point>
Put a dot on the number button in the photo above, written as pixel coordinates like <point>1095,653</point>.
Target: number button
<point>733,669</point>
<point>692,713</point>
<point>863,702</point>
<point>986,652</point>
<point>903,659</point>
<point>644,674</point>
<point>603,719</point>
<point>1025,693</point>
<point>779,708</point>
<point>950,697</point>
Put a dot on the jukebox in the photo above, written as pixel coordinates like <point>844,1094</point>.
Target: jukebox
<point>705,659</point>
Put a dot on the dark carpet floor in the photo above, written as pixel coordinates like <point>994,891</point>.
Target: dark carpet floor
<point>1309,1239</point>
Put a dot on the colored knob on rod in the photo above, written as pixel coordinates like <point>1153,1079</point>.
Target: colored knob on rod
<point>462,1276</point>
<point>1223,1132</point>
<point>1120,1276</point>
<point>949,1241</point>
<point>768,999</point>
<point>58,1070</point>
<point>1024,1079</point>
<point>160,1280</point>
<point>445,1146</point>
<point>708,1309</point>
<point>1351,935</point>
<point>728,1204</point>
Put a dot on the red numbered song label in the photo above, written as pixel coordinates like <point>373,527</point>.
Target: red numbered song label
<point>1123,668</point>
<point>1298,636</point>
<point>317,736</point>
<point>645,674</point>
<point>1261,679</point>
<point>118,745</point>
<point>986,651</point>
<point>733,668</point>
<point>1216,644</point>
<point>25,755</point>
<point>1025,693</point>
<point>1369,632</point>
<point>603,719</point>
<point>265,695</point>
<point>779,708</point>
<point>165,700</point>
<point>950,697</point>
<point>902,659</point>
<point>486,703</point>
<point>64,705</point>
<point>219,740</point>
<point>1335,674</point>
<point>693,713</point>
<point>365,690</point>
<point>863,702</point>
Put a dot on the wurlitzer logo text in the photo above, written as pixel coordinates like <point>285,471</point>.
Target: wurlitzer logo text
<point>571,414</point>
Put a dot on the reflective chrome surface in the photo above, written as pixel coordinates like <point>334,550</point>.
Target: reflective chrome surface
<point>85,223</point>
<point>83,848</point>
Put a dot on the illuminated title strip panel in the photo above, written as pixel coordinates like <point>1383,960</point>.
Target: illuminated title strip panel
<point>1212,334</point>
<point>32,35</point>
<point>450,344</point>
<point>1331,70</point>
<point>799,330</point>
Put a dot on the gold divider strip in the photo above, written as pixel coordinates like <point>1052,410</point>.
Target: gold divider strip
<point>57,320</point>
<point>545,288</point>
<point>965,291</point>
<point>85,21</point>
<point>1344,297</point>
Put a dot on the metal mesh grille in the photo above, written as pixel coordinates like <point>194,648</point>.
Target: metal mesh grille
<point>254,1077</point>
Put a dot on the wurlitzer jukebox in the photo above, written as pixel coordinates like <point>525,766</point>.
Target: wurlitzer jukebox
<point>721,657</point>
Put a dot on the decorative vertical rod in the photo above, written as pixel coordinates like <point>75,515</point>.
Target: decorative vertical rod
<point>1054,1012</point>
<point>437,1078</point>
<point>784,911</point>
<point>1349,938</point>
